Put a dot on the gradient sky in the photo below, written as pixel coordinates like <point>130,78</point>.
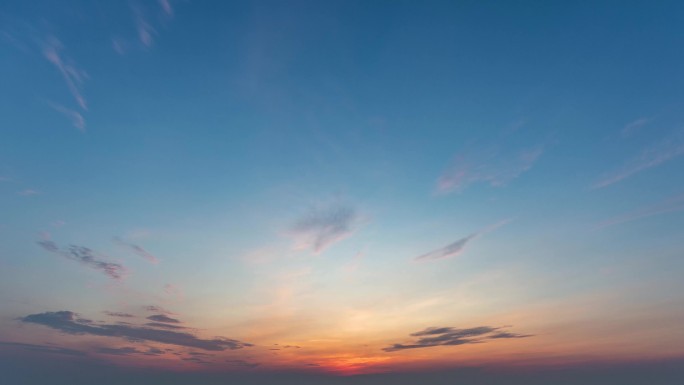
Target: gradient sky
<point>341,187</point>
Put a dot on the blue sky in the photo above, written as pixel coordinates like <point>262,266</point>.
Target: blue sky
<point>342,176</point>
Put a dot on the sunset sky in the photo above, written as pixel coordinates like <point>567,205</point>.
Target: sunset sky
<point>336,189</point>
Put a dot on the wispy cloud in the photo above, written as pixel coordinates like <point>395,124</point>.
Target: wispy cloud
<point>72,75</point>
<point>634,126</point>
<point>86,257</point>
<point>449,336</point>
<point>148,19</point>
<point>491,166</point>
<point>136,249</point>
<point>76,118</point>
<point>166,7</point>
<point>143,27</point>
<point>119,45</point>
<point>28,192</point>
<point>324,226</point>
<point>672,204</point>
<point>174,291</point>
<point>456,248</point>
<point>69,322</point>
<point>652,156</point>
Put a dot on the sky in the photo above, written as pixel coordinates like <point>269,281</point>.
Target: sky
<point>341,192</point>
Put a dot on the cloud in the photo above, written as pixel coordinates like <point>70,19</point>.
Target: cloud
<point>243,363</point>
<point>118,314</point>
<point>119,45</point>
<point>456,248</point>
<point>164,326</point>
<point>129,350</point>
<point>137,250</point>
<point>449,336</point>
<point>73,76</point>
<point>196,360</point>
<point>144,28</point>
<point>486,165</point>
<point>174,291</point>
<point>324,226</point>
<point>157,309</point>
<point>68,322</point>
<point>86,257</point>
<point>125,351</point>
<point>672,204</point>
<point>163,318</point>
<point>76,118</point>
<point>44,348</point>
<point>166,6</point>
<point>634,126</point>
<point>28,192</point>
<point>651,156</point>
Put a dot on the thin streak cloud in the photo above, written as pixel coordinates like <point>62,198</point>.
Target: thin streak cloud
<point>672,204</point>
<point>486,165</point>
<point>136,249</point>
<point>44,348</point>
<point>456,248</point>
<point>73,76</point>
<point>28,192</point>
<point>163,318</point>
<point>76,118</point>
<point>86,257</point>
<point>634,126</point>
<point>652,156</point>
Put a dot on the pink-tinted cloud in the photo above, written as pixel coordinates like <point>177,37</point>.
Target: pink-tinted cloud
<point>670,205</point>
<point>137,250</point>
<point>76,118</point>
<point>119,45</point>
<point>634,126</point>
<point>166,6</point>
<point>486,165</point>
<point>143,26</point>
<point>652,156</point>
<point>73,76</point>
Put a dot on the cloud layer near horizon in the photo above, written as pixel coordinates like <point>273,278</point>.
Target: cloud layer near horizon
<point>68,322</point>
<point>449,336</point>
